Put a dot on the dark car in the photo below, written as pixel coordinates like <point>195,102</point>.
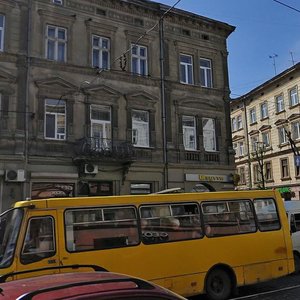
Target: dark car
<point>84,286</point>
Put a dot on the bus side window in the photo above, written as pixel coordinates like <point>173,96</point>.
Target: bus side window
<point>39,240</point>
<point>172,222</point>
<point>267,215</point>
<point>101,228</point>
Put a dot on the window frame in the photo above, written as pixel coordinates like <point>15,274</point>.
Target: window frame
<point>214,148</point>
<point>279,102</point>
<point>253,118</point>
<point>58,136</point>
<point>284,168</point>
<point>239,122</point>
<point>188,132</point>
<point>293,96</point>
<point>264,113</point>
<point>136,129</point>
<point>138,59</point>
<point>105,136</point>
<point>295,129</point>
<point>2,32</point>
<point>282,136</point>
<point>57,41</point>
<point>265,136</point>
<point>206,73</point>
<point>101,50</point>
<point>188,69</point>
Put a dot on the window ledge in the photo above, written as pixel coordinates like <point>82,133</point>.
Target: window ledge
<point>280,112</point>
<point>286,178</point>
<point>265,118</point>
<point>254,123</point>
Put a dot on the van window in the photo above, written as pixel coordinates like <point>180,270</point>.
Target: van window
<point>166,223</point>
<point>295,222</point>
<point>39,240</point>
<point>267,215</point>
<point>101,228</point>
<point>228,217</point>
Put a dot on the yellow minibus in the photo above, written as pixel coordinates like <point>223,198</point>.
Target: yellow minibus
<point>190,243</point>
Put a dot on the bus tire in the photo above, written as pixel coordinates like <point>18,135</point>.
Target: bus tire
<point>218,284</point>
<point>297,263</point>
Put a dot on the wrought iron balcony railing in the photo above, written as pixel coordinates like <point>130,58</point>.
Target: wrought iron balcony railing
<point>105,148</point>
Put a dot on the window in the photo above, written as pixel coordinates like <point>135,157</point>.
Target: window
<point>239,122</point>
<point>209,134</point>
<point>252,115</point>
<point>268,171</point>
<point>242,175</point>
<point>139,64</point>
<point>2,28</point>
<point>170,222</point>
<point>294,99</point>
<point>55,119</point>
<point>100,127</point>
<point>254,141</point>
<point>140,188</point>
<point>59,2</point>
<point>266,139</point>
<point>296,130</point>
<point>205,73</point>
<point>228,218</point>
<point>279,103</point>
<point>282,135</point>
<point>140,128</point>
<point>267,215</point>
<point>101,52</point>
<point>257,173</point>
<point>186,69</point>
<point>233,124</point>
<point>189,132</point>
<point>235,148</point>
<point>101,228</point>
<point>285,172</point>
<point>39,240</point>
<point>264,110</point>
<point>241,149</point>
<point>56,43</point>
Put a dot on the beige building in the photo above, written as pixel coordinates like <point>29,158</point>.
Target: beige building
<point>107,97</point>
<point>266,134</point>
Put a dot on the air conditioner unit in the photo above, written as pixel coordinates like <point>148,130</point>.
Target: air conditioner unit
<point>90,169</point>
<point>15,175</point>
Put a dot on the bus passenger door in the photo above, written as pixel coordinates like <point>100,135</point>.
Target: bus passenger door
<point>39,244</point>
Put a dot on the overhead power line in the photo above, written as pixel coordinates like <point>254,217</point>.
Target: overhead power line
<point>293,8</point>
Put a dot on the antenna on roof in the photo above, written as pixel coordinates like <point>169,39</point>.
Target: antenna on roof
<point>292,57</point>
<point>274,63</point>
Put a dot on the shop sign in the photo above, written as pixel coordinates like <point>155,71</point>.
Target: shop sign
<point>206,177</point>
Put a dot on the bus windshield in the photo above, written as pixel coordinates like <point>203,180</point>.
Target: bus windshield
<point>10,222</point>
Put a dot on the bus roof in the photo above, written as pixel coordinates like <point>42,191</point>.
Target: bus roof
<point>149,198</point>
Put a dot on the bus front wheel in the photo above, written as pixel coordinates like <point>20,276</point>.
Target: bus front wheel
<point>218,285</point>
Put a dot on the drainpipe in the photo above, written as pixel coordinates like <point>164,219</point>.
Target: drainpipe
<point>163,104</point>
<point>26,121</point>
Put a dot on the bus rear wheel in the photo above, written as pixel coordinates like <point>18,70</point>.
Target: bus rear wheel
<point>218,285</point>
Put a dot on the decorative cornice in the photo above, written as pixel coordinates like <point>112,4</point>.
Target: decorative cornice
<point>237,137</point>
<point>294,117</point>
<point>253,132</point>
<point>265,127</point>
<point>281,122</point>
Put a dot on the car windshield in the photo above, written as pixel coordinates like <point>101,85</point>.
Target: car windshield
<point>10,222</point>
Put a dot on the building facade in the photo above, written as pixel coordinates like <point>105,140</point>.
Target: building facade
<point>266,135</point>
<point>109,97</point>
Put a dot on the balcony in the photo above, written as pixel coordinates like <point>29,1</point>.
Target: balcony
<point>105,149</point>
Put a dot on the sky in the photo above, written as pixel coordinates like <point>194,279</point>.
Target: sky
<point>266,32</point>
